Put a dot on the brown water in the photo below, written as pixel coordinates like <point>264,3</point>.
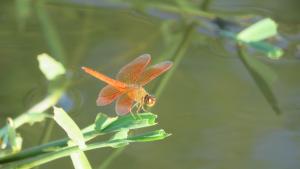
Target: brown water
<point>217,115</point>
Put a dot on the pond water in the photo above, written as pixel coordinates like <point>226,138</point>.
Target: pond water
<point>218,116</point>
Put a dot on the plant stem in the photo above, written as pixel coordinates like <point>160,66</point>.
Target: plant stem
<point>155,6</point>
<point>111,157</point>
<point>44,158</point>
<point>178,55</point>
<point>39,108</point>
<point>259,79</point>
<point>186,11</point>
<point>50,32</point>
<point>45,148</point>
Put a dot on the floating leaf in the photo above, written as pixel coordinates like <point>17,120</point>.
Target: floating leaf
<point>271,51</point>
<point>50,67</point>
<point>261,30</point>
<point>70,127</point>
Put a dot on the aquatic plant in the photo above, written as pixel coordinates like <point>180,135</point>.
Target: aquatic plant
<point>78,140</point>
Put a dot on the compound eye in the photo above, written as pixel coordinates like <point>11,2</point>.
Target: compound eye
<point>150,100</point>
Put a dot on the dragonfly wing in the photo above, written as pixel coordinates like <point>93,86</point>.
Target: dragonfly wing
<point>154,71</point>
<point>107,95</point>
<point>123,105</point>
<point>131,72</point>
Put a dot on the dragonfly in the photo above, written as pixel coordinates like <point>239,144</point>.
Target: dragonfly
<point>127,89</point>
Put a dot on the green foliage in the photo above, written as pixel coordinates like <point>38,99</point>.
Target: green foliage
<point>150,136</point>
<point>260,30</point>
<point>106,124</point>
<point>69,126</point>
<point>122,134</point>
<point>271,51</point>
<point>120,126</point>
<point>75,144</point>
<point>254,35</point>
<point>10,139</point>
<point>79,159</point>
<point>50,67</point>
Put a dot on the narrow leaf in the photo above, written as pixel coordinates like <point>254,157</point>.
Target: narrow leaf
<point>126,122</point>
<point>150,136</point>
<point>260,30</point>
<point>50,67</point>
<point>121,138</point>
<point>119,143</point>
<point>70,127</point>
<point>10,139</point>
<point>102,121</point>
<point>263,77</point>
<point>271,51</point>
<point>79,159</point>
<point>122,134</point>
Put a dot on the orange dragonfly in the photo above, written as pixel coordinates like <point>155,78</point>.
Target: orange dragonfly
<point>128,86</point>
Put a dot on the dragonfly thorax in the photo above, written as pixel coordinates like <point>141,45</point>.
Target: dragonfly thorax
<point>137,94</point>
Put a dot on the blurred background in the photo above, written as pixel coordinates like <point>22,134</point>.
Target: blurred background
<point>217,115</point>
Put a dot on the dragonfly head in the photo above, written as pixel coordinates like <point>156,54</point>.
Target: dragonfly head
<point>149,100</point>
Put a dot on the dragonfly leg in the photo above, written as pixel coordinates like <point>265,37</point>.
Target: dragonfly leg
<point>143,107</point>
<point>132,113</point>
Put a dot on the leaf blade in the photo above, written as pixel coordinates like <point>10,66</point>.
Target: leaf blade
<point>69,126</point>
<point>50,67</point>
<point>258,31</point>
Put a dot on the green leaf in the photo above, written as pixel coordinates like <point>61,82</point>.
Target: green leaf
<point>70,127</point>
<point>36,117</point>
<point>119,144</point>
<point>122,134</point>
<point>79,159</point>
<point>10,139</point>
<point>50,67</point>
<point>261,30</point>
<point>106,125</point>
<point>150,136</point>
<point>102,121</point>
<point>271,51</point>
